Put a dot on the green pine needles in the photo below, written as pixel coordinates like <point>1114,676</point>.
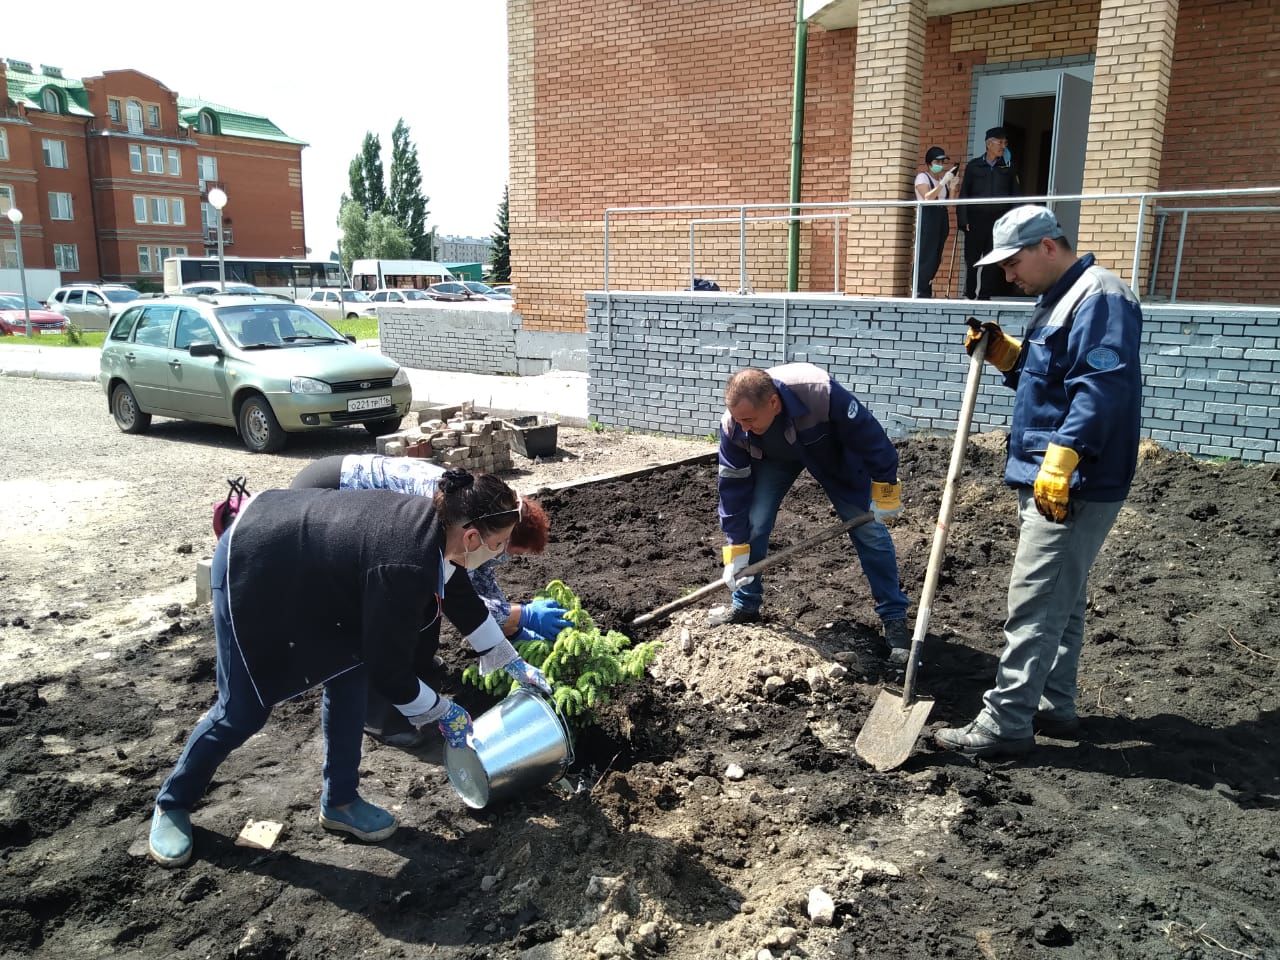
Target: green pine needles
<point>585,667</point>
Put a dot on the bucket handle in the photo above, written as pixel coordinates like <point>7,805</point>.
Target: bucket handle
<point>564,725</point>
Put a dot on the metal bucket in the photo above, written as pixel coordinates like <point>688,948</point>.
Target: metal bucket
<point>520,743</point>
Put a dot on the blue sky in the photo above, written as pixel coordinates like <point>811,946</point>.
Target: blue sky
<point>325,74</point>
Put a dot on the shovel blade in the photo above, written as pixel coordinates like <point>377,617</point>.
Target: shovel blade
<point>891,730</point>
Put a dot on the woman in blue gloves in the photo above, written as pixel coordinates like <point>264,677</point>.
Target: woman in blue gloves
<point>539,619</point>
<point>326,588</point>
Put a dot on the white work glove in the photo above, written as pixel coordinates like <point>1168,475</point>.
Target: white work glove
<point>454,722</point>
<point>947,180</point>
<point>736,558</point>
<point>505,658</point>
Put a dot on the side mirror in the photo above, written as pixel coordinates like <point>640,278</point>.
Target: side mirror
<point>351,338</point>
<point>204,349</point>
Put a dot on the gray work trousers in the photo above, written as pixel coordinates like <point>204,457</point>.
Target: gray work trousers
<point>1045,629</point>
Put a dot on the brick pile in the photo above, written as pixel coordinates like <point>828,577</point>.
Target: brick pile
<point>453,437</point>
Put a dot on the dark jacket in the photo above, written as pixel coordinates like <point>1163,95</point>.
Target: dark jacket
<point>983,180</point>
<point>836,438</point>
<point>322,581</point>
<point>1079,383</point>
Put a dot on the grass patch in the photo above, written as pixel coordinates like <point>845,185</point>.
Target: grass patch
<point>362,328</point>
<point>91,339</point>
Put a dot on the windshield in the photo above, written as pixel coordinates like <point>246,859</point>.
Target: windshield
<point>475,286</point>
<point>11,301</point>
<point>355,296</point>
<point>276,325</point>
<point>121,296</point>
<point>414,295</point>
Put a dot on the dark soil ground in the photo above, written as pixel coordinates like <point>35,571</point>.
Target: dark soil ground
<point>1156,835</point>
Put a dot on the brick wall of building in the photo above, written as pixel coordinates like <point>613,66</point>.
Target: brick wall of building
<point>660,361</point>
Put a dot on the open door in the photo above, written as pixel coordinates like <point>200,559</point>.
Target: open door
<point>1070,138</point>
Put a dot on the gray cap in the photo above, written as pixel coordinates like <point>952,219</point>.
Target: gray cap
<point>1021,227</point>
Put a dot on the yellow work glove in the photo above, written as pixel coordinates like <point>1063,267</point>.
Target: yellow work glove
<point>1053,483</point>
<point>886,500</point>
<point>1002,349</point>
<point>736,556</point>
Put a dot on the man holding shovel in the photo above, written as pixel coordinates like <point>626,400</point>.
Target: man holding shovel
<point>1073,449</point>
<point>795,417</point>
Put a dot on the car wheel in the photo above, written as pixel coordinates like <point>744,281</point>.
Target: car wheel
<point>124,407</point>
<point>380,428</point>
<point>353,316</point>
<point>259,429</point>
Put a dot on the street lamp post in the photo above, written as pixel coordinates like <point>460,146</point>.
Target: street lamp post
<point>218,200</point>
<point>15,217</point>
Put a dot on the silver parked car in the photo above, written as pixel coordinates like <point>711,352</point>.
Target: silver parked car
<point>264,366</point>
<point>92,306</point>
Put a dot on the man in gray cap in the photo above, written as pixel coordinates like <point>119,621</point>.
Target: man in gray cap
<point>1073,448</point>
<point>988,175</point>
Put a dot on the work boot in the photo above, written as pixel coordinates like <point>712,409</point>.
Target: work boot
<point>361,819</point>
<point>410,739</point>
<point>1056,725</point>
<point>976,740</point>
<point>170,840</point>
<point>898,639</point>
<point>719,616</point>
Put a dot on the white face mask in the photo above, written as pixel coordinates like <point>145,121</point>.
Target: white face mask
<point>474,559</point>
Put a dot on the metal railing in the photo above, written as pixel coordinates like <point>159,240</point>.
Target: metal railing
<point>1162,216</point>
<point>848,207</point>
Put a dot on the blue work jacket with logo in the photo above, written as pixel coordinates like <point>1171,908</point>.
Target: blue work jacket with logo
<point>835,437</point>
<point>1079,383</point>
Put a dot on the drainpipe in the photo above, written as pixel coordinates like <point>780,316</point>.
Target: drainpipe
<point>797,146</point>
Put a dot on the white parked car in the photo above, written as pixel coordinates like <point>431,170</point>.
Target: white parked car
<point>401,297</point>
<point>353,304</point>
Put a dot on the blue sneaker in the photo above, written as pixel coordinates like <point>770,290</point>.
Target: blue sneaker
<point>361,819</point>
<point>170,841</point>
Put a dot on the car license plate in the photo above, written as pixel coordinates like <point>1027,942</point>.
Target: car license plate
<point>54,330</point>
<point>368,403</point>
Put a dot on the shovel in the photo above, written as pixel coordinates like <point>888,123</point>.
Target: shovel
<point>896,720</point>
<point>751,570</point>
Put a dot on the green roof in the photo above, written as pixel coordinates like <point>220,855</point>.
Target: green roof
<point>232,122</point>
<point>26,88</point>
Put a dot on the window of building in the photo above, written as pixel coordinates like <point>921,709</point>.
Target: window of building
<point>158,209</point>
<point>175,162</point>
<point>135,158</point>
<point>155,160</point>
<point>133,111</point>
<point>113,109</point>
<point>206,122</point>
<point>60,206</point>
<point>66,256</point>
<point>4,144</point>
<point>50,101</point>
<point>144,259</point>
<point>207,168</point>
<point>208,216</point>
<point>6,198</point>
<point>153,115</point>
<point>139,209</point>
<point>55,153</point>
<point>178,211</point>
<point>9,254</point>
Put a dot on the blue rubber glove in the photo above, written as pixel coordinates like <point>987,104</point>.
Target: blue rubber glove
<point>527,675</point>
<point>544,617</point>
<point>455,726</point>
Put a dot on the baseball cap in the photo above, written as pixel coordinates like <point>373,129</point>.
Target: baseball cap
<point>996,133</point>
<point>1021,227</point>
<point>935,153</point>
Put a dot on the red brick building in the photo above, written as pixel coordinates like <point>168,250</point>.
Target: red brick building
<point>111,175</point>
<point>620,104</point>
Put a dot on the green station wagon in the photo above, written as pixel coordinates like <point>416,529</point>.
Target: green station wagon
<point>266,367</point>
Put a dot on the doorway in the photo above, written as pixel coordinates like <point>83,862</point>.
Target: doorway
<point>1028,122</point>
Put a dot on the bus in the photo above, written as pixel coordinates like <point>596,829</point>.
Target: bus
<point>397,274</point>
<point>290,278</point>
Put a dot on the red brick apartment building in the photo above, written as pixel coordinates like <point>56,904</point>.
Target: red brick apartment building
<point>111,175</point>
<point>621,103</point>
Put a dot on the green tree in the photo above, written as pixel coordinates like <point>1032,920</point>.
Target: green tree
<point>405,201</point>
<point>501,272</point>
<point>355,234</point>
<point>368,186</point>
<point>386,239</point>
